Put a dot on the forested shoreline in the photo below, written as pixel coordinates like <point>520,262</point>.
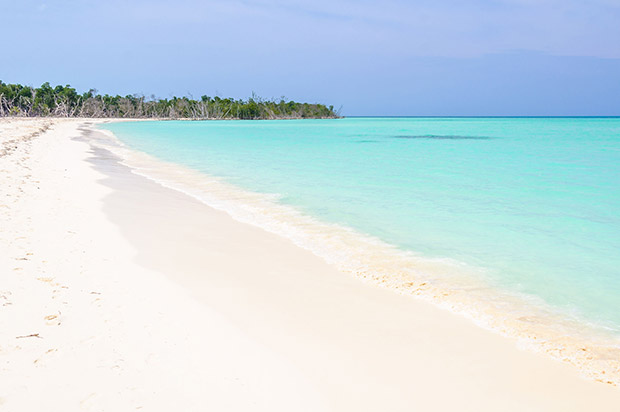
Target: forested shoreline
<point>65,101</point>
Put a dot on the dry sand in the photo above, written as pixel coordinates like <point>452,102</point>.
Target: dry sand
<point>119,294</point>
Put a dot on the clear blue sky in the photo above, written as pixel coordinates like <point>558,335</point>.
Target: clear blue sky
<point>390,57</point>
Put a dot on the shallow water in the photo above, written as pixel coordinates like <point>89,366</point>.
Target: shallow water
<point>530,206</point>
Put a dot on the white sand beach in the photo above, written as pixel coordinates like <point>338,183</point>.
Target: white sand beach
<point>117,293</point>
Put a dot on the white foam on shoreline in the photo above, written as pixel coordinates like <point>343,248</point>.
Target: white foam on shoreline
<point>447,283</point>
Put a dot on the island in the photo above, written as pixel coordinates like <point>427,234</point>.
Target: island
<point>64,101</point>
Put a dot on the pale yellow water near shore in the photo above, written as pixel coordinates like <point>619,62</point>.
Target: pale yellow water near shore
<point>117,293</point>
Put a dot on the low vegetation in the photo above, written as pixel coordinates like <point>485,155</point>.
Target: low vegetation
<point>64,101</point>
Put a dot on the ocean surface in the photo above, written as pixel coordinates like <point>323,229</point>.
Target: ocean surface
<point>529,207</point>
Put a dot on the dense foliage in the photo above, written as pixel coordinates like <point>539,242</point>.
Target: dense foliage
<point>64,101</point>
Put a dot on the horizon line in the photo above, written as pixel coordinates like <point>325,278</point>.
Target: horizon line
<point>491,116</point>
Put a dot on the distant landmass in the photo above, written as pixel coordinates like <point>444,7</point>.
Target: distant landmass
<point>64,101</point>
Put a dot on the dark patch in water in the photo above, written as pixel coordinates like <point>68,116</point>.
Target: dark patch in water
<point>439,137</point>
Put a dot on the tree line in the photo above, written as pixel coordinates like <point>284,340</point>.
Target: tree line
<point>65,101</point>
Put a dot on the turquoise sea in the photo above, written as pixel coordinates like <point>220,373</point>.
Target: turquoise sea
<point>532,205</point>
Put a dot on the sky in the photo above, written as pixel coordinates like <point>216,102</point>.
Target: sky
<point>390,57</point>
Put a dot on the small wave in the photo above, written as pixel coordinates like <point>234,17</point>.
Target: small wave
<point>441,137</point>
